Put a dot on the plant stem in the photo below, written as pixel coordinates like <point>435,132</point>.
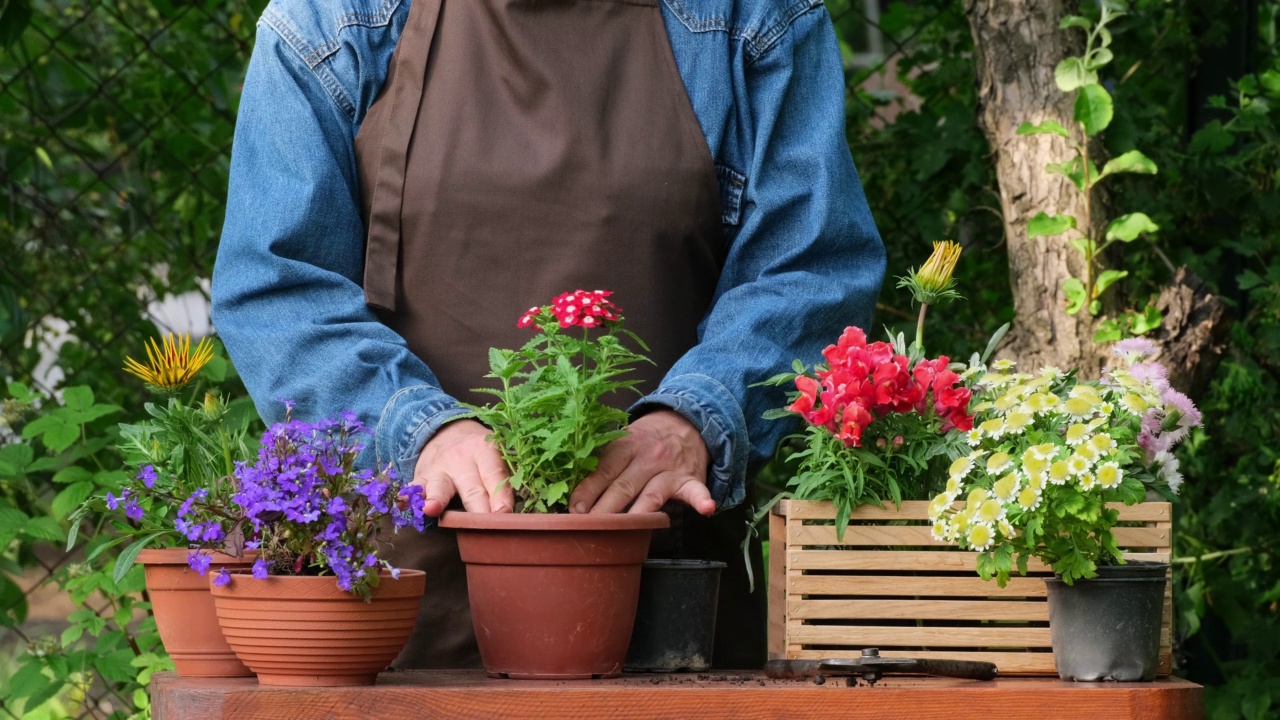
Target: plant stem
<point>919,344</point>
<point>1210,556</point>
<point>1090,246</point>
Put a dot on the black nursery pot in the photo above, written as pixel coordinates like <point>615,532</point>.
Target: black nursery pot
<point>1108,628</point>
<point>676,616</point>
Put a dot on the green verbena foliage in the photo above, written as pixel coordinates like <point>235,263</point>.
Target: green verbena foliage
<point>549,419</point>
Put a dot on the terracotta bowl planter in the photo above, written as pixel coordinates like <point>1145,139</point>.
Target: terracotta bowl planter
<point>553,596</point>
<point>184,613</point>
<point>305,632</point>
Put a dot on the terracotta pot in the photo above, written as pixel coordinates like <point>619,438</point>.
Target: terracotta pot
<point>553,596</point>
<point>305,632</point>
<point>184,613</point>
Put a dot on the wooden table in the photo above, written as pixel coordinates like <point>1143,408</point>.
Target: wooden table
<point>741,696</point>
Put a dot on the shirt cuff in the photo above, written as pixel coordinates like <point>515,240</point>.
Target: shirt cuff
<point>711,408</point>
<point>409,419</point>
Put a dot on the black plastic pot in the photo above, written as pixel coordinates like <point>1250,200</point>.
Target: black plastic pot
<point>1108,628</point>
<point>676,617</point>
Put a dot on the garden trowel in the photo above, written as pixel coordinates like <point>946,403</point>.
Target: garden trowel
<point>871,666</point>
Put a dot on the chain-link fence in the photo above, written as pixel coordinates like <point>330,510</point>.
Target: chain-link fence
<point>114,150</point>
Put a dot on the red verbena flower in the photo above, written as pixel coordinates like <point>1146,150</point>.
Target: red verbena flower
<point>577,308</point>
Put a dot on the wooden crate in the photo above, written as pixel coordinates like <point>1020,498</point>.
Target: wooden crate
<point>890,585</point>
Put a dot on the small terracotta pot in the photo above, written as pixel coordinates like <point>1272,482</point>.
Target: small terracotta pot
<point>184,613</point>
<point>305,632</point>
<point>553,596</point>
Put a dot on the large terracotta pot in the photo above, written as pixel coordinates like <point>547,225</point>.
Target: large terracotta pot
<point>305,632</point>
<point>553,596</point>
<point>184,612</point>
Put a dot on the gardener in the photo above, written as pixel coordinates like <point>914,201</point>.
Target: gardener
<point>406,180</point>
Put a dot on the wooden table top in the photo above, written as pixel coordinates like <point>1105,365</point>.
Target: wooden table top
<point>741,696</point>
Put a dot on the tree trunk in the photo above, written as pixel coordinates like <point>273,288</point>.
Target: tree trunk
<point>1017,45</point>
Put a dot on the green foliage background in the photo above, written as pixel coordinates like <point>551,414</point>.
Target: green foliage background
<point>117,122</point>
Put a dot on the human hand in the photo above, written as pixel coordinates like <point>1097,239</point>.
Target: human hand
<point>458,461</point>
<point>662,457</point>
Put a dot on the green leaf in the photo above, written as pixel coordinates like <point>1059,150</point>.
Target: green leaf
<point>73,474</point>
<point>1071,74</point>
<point>1045,225</point>
<point>1084,245</point>
<point>1149,320</point>
<point>1073,288</point>
<point>1109,331</point>
<point>1048,127</point>
<point>21,392</point>
<point>31,683</point>
<point>1270,81</point>
<point>1131,162</point>
<point>116,666</point>
<point>1071,21</point>
<point>79,397</point>
<point>1106,279</point>
<point>1212,139</point>
<point>1093,108</point>
<point>125,561</point>
<point>994,341</point>
<point>1127,228</point>
<point>43,528</point>
<point>1099,58</point>
<point>70,498</point>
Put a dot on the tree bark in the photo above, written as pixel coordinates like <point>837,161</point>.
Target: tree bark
<point>1017,45</point>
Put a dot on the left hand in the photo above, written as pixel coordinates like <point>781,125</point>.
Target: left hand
<point>662,457</point>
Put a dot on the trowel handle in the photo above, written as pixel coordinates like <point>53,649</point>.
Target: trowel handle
<point>968,669</point>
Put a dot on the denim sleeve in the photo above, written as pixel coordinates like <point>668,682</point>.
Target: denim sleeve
<point>287,295</point>
<point>805,262</point>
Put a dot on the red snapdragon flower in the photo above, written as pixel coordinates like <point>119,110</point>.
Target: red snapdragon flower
<point>863,382</point>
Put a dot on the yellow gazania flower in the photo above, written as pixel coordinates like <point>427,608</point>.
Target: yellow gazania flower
<point>1110,475</point>
<point>980,536</point>
<point>1077,433</point>
<point>1017,421</point>
<point>999,462</point>
<point>940,530</point>
<point>1006,488</point>
<point>1029,499</point>
<point>934,278</point>
<point>172,366</point>
<point>989,511</point>
<point>1059,472</point>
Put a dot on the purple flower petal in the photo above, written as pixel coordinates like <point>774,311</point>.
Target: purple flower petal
<point>199,562</point>
<point>147,475</point>
<point>260,568</point>
<point>223,578</point>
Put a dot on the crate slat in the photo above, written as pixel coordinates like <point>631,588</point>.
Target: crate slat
<point>1025,610</point>
<point>918,535</point>
<point>864,591</point>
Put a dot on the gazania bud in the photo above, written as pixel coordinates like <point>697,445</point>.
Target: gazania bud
<point>932,283</point>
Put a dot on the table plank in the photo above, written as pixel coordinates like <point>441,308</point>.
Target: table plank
<point>469,695</point>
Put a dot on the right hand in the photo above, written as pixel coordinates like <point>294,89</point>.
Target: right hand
<point>458,461</point>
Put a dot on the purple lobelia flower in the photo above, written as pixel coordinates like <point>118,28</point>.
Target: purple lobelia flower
<point>223,577</point>
<point>199,562</point>
<point>147,475</point>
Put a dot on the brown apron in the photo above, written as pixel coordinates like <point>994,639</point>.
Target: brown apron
<point>521,148</point>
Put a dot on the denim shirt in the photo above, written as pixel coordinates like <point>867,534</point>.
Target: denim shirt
<point>803,256</point>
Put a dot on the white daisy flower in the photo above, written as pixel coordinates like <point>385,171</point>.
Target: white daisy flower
<point>1076,434</point>
<point>941,530</point>
<point>1109,475</point>
<point>980,537</point>
<point>1077,465</point>
<point>1029,499</point>
<point>1059,473</point>
<point>1006,488</point>
<point>999,462</point>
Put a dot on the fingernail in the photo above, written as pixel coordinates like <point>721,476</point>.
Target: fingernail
<point>580,507</point>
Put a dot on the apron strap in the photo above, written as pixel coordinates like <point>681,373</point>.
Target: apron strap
<point>382,256</point>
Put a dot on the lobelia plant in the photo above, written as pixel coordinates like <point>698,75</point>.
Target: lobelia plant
<point>1049,452</point>
<point>184,458</point>
<point>312,513</point>
<point>549,421</point>
<point>1092,114</point>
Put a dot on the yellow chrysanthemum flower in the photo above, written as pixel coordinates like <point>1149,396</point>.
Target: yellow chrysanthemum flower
<point>1087,452</point>
<point>1036,482</point>
<point>974,437</point>
<point>992,428</point>
<point>1006,488</point>
<point>982,407</point>
<point>999,462</point>
<point>1110,475</point>
<point>1096,423</point>
<point>1088,481</point>
<point>1043,451</point>
<point>1006,402</point>
<point>1088,391</point>
<point>1034,465</point>
<point>1003,365</point>
<point>955,486</point>
<point>961,466</point>
<point>1049,372</point>
<point>1106,408</point>
<point>172,366</point>
<point>1017,421</point>
<point>1103,443</point>
<point>1077,433</point>
<point>1077,465</point>
<point>1059,472</point>
<point>989,511</point>
<point>939,505</point>
<point>1079,407</point>
<point>1029,499</point>
<point>1134,403</point>
<point>980,536</point>
<point>1006,529</point>
<point>977,496</point>
<point>940,530</point>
